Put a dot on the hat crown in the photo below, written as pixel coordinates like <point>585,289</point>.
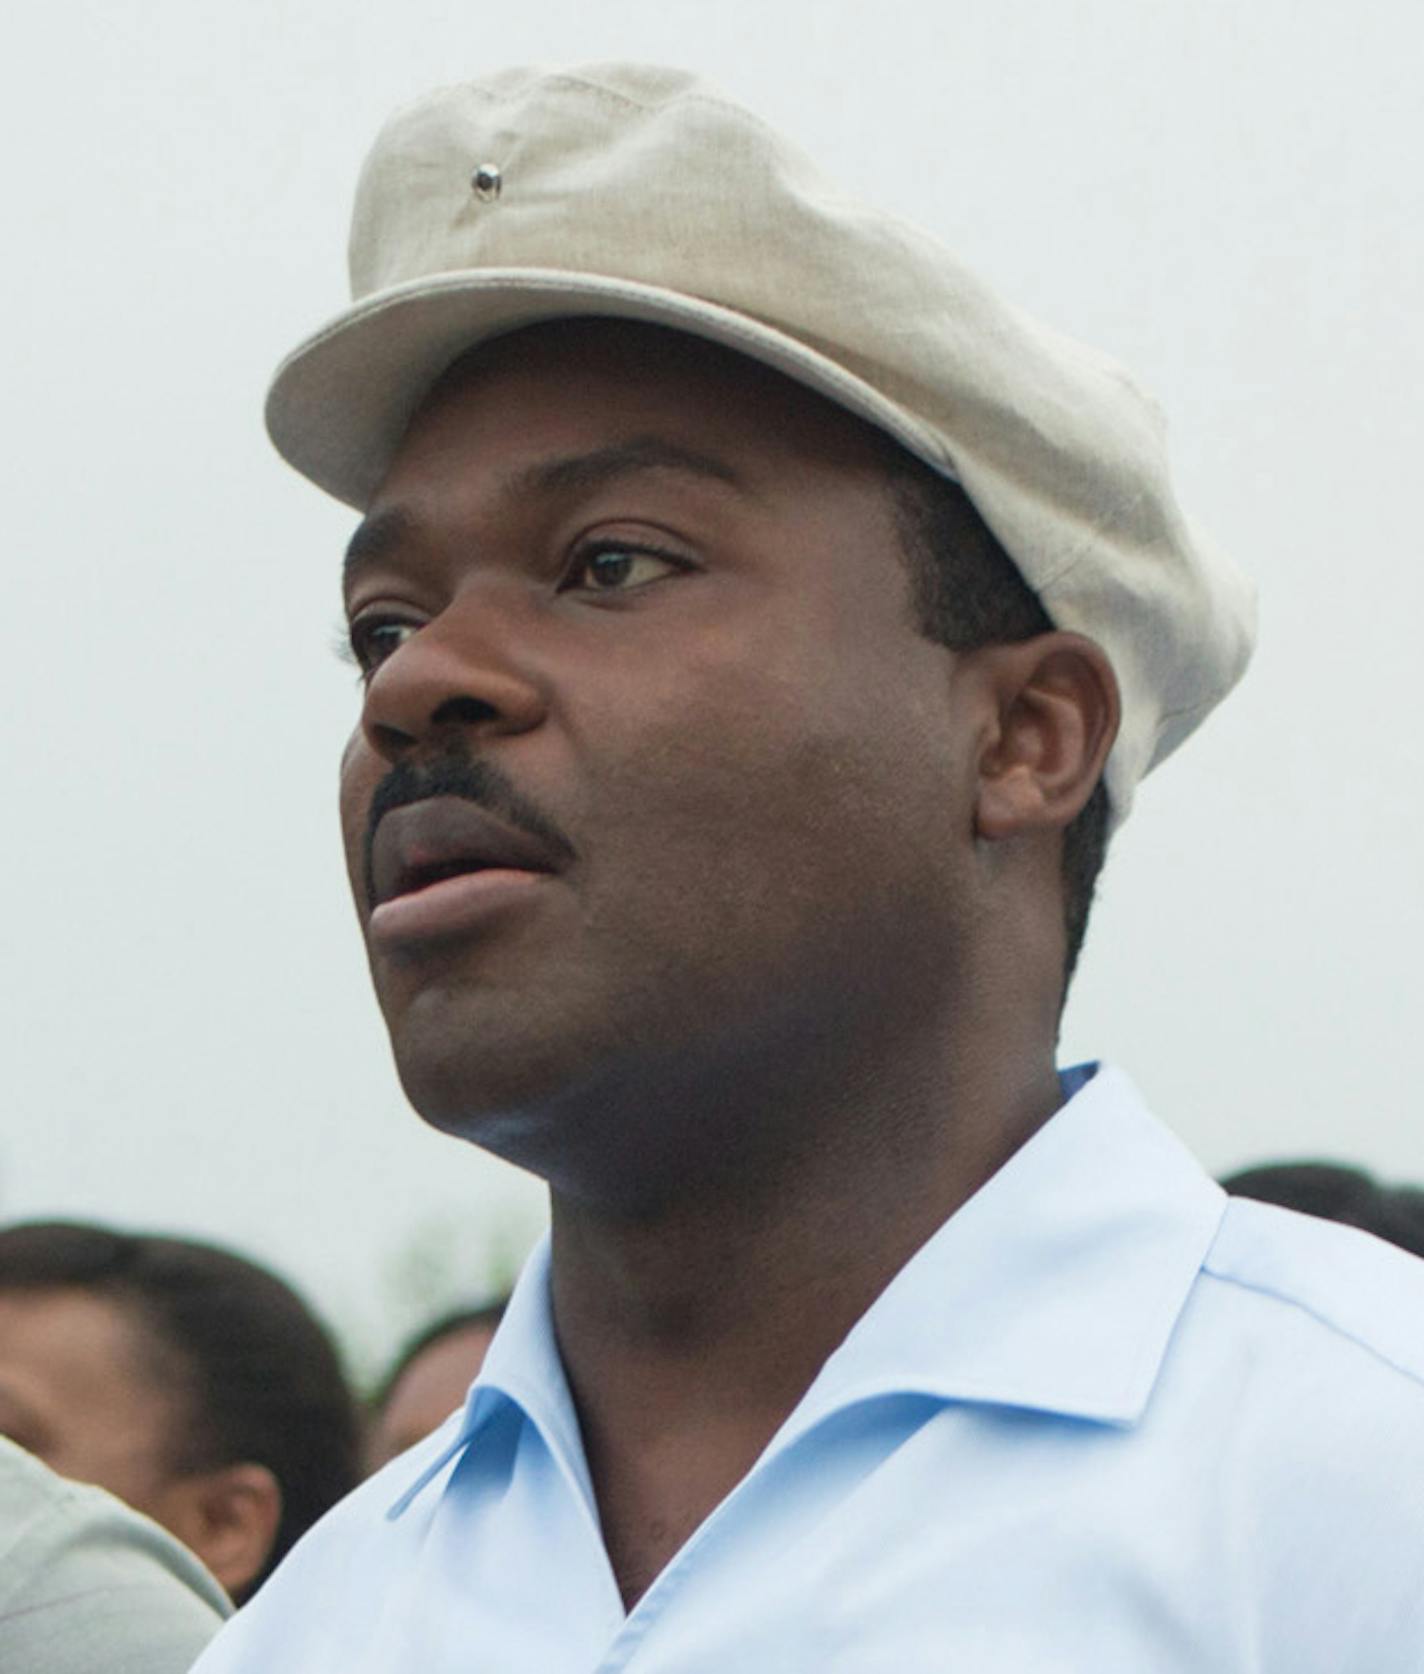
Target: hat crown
<point>626,168</point>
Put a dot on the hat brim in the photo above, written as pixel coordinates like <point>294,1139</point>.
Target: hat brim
<point>340,404</point>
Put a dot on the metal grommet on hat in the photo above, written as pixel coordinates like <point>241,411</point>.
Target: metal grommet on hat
<point>487,182</point>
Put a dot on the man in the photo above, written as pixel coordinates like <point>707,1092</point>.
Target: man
<point>760,625</point>
<point>85,1583</point>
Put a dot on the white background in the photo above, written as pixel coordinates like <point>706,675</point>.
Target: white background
<point>1226,195</point>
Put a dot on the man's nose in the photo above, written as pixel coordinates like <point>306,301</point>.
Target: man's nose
<point>451,675</point>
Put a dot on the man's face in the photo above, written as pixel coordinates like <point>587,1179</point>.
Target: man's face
<point>672,797</point>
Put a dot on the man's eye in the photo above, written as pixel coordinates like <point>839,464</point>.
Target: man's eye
<point>375,639</point>
<point>617,569</point>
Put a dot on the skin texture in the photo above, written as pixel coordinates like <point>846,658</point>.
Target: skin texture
<point>431,1387</point>
<point>790,994</point>
<point>89,1392</point>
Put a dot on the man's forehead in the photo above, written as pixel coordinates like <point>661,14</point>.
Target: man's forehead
<point>637,366</point>
<point>634,347</point>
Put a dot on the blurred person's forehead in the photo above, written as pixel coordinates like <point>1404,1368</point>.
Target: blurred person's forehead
<point>70,1327</point>
<point>82,1382</point>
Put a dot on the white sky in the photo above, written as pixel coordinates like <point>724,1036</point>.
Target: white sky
<point>1225,194</point>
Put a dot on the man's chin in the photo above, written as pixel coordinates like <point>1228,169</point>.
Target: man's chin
<point>474,1096</point>
<point>493,1081</point>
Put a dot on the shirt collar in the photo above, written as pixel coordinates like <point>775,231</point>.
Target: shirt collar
<point>1055,1288</point>
<point>522,1367</point>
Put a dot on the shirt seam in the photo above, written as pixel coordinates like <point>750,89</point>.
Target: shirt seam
<point>106,1589</point>
<point>1257,1288</point>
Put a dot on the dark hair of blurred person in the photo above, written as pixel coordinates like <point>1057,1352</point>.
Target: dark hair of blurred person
<point>429,1380</point>
<point>186,1380</point>
<point>1334,1192</point>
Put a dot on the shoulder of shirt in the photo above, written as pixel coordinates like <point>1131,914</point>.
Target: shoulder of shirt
<point>356,1531</point>
<point>86,1582</point>
<point>1358,1294</point>
<point>46,1518</point>
<point>368,1507</point>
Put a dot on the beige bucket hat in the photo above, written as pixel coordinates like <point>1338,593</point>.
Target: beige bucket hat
<point>636,192</point>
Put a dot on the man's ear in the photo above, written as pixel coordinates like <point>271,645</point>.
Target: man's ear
<point>229,1517</point>
<point>1057,709</point>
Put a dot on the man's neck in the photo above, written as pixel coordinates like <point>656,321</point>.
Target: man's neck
<point>690,1335</point>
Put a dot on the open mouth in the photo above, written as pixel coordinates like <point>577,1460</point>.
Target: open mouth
<point>415,878</point>
<point>439,864</point>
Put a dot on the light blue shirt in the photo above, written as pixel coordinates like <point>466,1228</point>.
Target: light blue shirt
<point>1103,1422</point>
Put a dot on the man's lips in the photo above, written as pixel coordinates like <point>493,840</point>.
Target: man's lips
<point>422,844</point>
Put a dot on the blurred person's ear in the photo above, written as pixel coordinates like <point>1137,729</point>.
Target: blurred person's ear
<point>229,1517</point>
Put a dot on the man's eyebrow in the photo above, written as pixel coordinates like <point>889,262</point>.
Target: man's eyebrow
<point>584,471</point>
<point>379,535</point>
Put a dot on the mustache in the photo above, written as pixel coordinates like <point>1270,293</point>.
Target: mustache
<point>469,777</point>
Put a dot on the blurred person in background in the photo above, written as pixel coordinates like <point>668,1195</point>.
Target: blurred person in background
<point>189,1382</point>
<point>429,1380</point>
<point>1335,1192</point>
<point>86,1583</point>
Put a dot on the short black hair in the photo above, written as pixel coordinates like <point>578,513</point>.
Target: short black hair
<point>1336,1192</point>
<point>461,1319</point>
<point>968,592</point>
<point>262,1379</point>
